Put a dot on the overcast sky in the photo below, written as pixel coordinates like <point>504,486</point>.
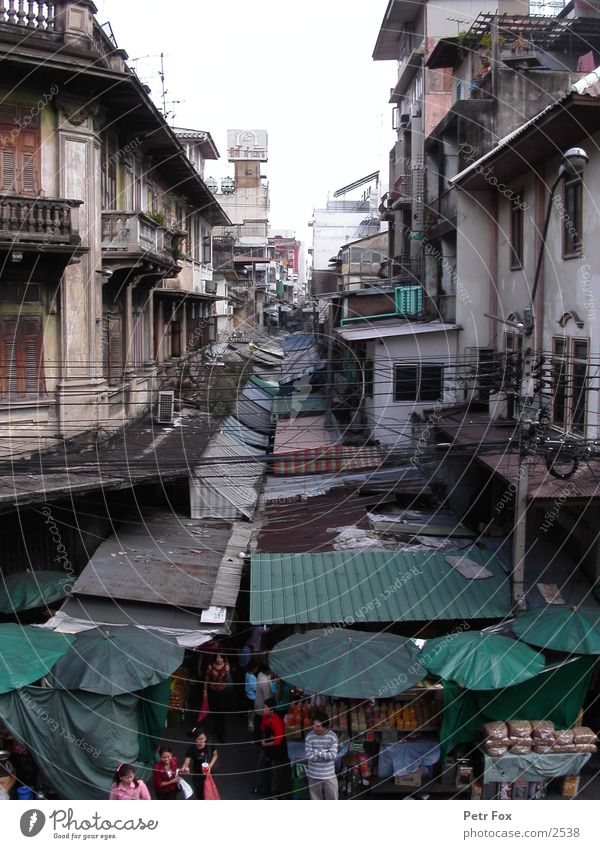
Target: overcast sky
<point>302,71</point>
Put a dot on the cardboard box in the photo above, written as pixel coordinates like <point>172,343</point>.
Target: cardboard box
<point>413,779</point>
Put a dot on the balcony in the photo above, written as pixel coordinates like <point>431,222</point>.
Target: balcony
<point>39,224</point>
<point>134,235</point>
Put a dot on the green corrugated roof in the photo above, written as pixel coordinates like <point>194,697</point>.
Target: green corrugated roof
<point>373,586</point>
<point>282,405</point>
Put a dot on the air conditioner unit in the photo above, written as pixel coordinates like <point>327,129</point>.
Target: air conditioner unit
<point>230,309</point>
<point>415,109</point>
<point>404,119</point>
<point>210,287</point>
<point>166,407</point>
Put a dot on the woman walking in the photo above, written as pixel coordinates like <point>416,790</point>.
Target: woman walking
<point>200,758</point>
<point>164,775</point>
<point>215,687</point>
<point>126,786</point>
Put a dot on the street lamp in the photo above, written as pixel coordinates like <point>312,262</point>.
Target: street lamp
<point>573,164</point>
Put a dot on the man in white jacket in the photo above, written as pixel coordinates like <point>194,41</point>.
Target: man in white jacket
<point>321,746</point>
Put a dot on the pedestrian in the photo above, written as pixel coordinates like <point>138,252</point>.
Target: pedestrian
<point>215,687</point>
<point>164,775</point>
<point>126,786</point>
<point>200,759</point>
<point>250,694</point>
<point>274,765</point>
<point>321,747</point>
<point>263,688</point>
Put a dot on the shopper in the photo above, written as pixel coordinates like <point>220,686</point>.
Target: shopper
<point>200,758</point>
<point>164,775</point>
<point>126,786</point>
<point>321,746</point>
<point>274,764</point>
<point>250,683</point>
<point>215,687</point>
<point>263,688</point>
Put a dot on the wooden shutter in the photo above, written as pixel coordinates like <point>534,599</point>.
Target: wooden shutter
<point>8,168</point>
<point>31,355</point>
<point>29,151</point>
<point>115,351</point>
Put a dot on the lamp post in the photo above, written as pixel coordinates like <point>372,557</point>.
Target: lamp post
<point>573,164</point>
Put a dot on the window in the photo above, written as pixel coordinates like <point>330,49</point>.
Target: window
<point>559,382</point>
<point>572,224</point>
<point>206,246</point>
<point>418,383</point>
<point>569,383</point>
<point>516,232</point>
<point>368,378</point>
<point>579,385</point>
<point>19,150</point>
<point>109,161</point>
<point>21,356</point>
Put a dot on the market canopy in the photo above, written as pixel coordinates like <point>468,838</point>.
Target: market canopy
<point>27,653</point>
<point>348,663</point>
<point>111,661</point>
<point>479,661</point>
<point>373,586</point>
<point>569,629</point>
<point>28,590</point>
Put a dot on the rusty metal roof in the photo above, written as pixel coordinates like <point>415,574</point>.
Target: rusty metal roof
<point>162,559</point>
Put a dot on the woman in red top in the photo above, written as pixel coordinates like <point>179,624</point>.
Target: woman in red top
<point>164,775</point>
<point>215,687</point>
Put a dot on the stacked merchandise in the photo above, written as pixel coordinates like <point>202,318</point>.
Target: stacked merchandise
<point>519,737</point>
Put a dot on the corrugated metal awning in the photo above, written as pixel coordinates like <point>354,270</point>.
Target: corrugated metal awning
<point>354,587</point>
<point>226,490</point>
<point>238,431</point>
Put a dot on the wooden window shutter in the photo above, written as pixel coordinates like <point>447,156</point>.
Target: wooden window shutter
<point>31,335</point>
<point>9,356</point>
<point>115,351</point>
<point>29,162</point>
<point>8,168</point>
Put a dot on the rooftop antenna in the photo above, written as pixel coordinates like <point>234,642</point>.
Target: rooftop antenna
<point>458,22</point>
<point>161,74</point>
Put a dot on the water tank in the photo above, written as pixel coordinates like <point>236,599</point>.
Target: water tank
<point>228,185</point>
<point>213,185</point>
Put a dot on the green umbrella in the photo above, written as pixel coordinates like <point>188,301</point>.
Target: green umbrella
<point>26,590</point>
<point>347,663</point>
<point>111,661</point>
<point>479,661</point>
<point>27,653</point>
<point>568,629</point>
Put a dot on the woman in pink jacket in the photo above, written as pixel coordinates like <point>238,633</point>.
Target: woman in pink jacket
<point>126,786</point>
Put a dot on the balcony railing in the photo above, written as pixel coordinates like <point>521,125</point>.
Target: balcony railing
<point>30,14</point>
<point>136,233</point>
<point>39,221</point>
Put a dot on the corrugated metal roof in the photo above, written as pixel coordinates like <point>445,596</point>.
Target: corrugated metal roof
<point>234,428</point>
<point>257,395</point>
<point>299,434</point>
<point>253,415</point>
<point>269,386</point>
<point>297,342</point>
<point>225,490</point>
<point>354,587</point>
<point>162,559</point>
<point>395,327</point>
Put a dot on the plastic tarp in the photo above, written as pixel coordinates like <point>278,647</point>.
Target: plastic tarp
<point>27,653</point>
<point>532,767</point>
<point>77,739</point>
<point>270,386</point>
<point>226,490</point>
<point>404,757</point>
<point>556,694</point>
<point>28,590</point>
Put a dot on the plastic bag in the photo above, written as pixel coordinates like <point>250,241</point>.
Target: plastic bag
<point>584,735</point>
<point>210,788</point>
<point>519,728</point>
<point>495,730</point>
<point>203,712</point>
<point>543,729</point>
<point>185,788</point>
